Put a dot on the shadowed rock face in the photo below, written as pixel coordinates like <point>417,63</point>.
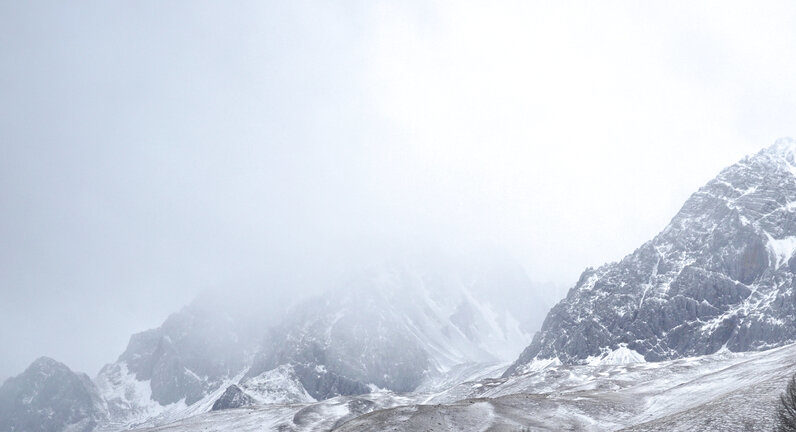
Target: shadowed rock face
<point>49,397</point>
<point>720,274</point>
<point>323,384</point>
<point>233,397</point>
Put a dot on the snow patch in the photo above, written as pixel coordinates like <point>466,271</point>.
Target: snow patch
<point>129,400</point>
<point>782,249</point>
<point>620,356</point>
<point>538,364</point>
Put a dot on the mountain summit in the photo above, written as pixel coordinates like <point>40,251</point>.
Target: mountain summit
<point>49,397</point>
<point>720,275</point>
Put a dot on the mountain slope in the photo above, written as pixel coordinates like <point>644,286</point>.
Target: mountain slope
<point>720,274</point>
<point>394,327</point>
<point>397,326</point>
<point>723,391</point>
<point>190,356</point>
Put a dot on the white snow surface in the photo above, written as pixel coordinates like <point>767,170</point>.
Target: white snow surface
<point>782,249</point>
<point>620,356</point>
<point>129,400</point>
<point>540,364</point>
<point>723,391</point>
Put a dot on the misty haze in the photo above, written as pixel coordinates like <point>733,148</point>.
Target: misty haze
<point>397,216</point>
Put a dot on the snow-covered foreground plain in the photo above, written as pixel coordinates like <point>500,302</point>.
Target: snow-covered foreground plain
<point>719,392</point>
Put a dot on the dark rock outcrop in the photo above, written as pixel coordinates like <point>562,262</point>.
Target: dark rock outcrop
<point>233,397</point>
<point>323,384</point>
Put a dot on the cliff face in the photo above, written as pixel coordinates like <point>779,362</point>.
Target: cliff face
<point>721,274</point>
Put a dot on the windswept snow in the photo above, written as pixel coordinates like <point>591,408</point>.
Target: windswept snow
<point>723,391</point>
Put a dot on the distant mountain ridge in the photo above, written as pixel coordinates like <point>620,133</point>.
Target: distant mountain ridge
<point>392,326</point>
<point>392,338</point>
<point>720,275</point>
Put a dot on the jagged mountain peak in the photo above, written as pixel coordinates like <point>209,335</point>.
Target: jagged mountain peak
<point>719,275</point>
<point>50,397</point>
<point>47,365</point>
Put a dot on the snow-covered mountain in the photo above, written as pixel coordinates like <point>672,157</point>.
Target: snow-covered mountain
<point>171,370</point>
<point>395,326</point>
<point>660,340</point>
<point>721,274</point>
<point>49,397</point>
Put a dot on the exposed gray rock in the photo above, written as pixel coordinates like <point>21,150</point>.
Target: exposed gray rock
<point>49,397</point>
<point>721,274</point>
<point>233,397</point>
<point>323,384</point>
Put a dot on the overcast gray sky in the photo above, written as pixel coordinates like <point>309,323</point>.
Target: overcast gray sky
<point>151,150</point>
